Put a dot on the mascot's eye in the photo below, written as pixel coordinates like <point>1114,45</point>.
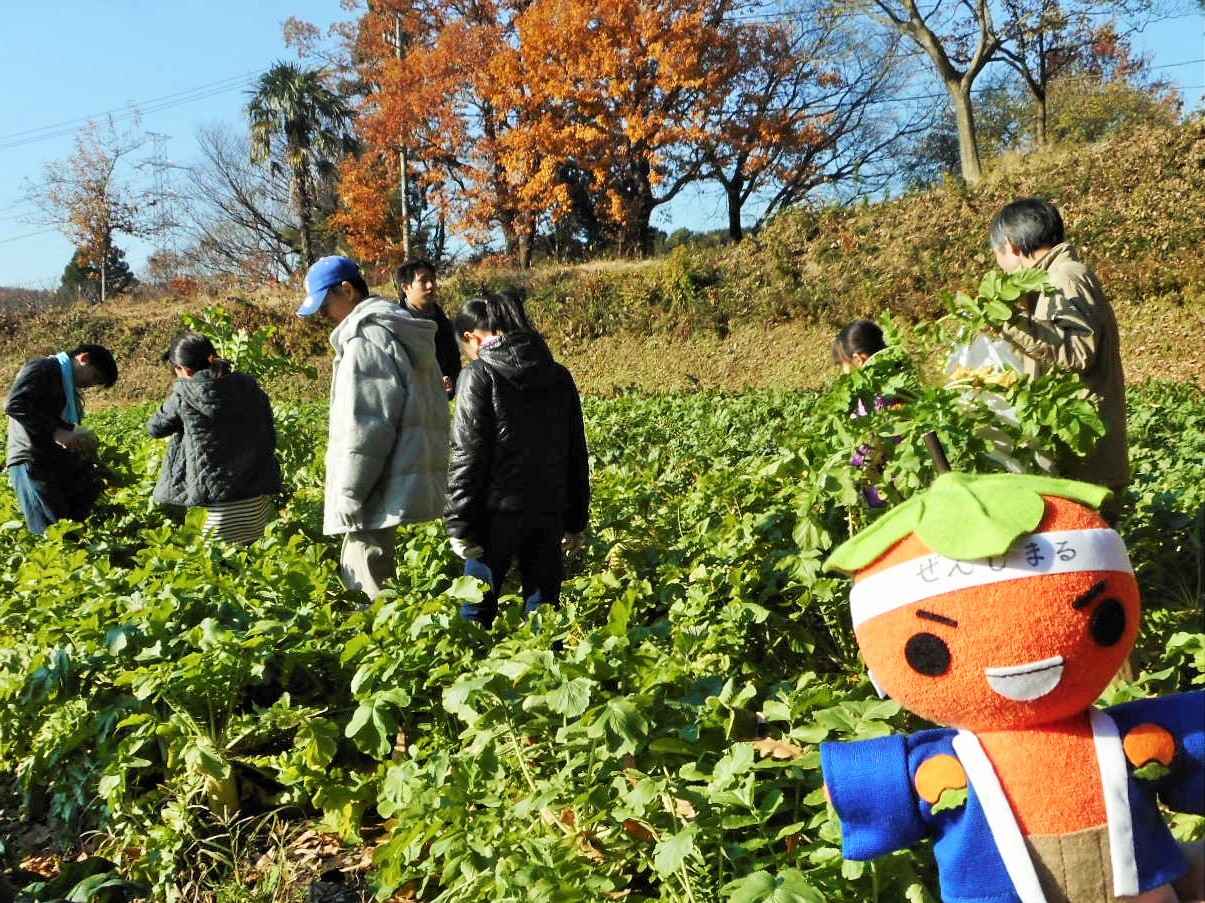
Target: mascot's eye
<point>1108,622</point>
<point>927,654</point>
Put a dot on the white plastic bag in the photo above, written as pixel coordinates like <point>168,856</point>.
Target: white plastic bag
<point>983,355</point>
<point>978,366</point>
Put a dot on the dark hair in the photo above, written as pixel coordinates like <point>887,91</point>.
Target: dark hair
<point>1029,223</point>
<point>494,312</point>
<point>361,287</point>
<point>408,270</point>
<point>857,337</point>
<point>196,352</point>
<point>101,358</point>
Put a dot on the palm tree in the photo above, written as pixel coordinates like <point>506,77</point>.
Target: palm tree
<point>293,105</point>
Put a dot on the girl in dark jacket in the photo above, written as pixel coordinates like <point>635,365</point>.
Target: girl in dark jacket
<point>519,483</point>
<point>222,455</point>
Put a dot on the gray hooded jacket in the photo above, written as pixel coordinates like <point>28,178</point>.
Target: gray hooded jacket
<point>387,454</point>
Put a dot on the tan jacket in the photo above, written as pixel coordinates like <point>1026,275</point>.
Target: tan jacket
<point>1075,329</point>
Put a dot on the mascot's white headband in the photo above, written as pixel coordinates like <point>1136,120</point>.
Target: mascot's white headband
<point>1035,555</point>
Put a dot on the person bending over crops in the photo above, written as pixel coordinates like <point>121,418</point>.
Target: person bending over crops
<point>51,458</point>
<point>222,455</point>
<point>855,345</point>
<point>519,483</point>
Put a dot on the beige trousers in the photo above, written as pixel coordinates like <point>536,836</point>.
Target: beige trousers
<point>368,558</point>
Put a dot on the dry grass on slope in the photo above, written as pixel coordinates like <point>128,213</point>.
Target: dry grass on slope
<point>762,313</point>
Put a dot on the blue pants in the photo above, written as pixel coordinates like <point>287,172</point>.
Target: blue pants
<point>36,497</point>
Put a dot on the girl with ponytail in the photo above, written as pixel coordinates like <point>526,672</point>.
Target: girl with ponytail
<point>222,455</point>
<point>519,484</point>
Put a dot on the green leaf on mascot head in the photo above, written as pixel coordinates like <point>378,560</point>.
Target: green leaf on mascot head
<point>1152,771</point>
<point>964,516</point>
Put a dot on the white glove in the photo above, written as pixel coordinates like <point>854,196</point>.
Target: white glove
<point>466,548</point>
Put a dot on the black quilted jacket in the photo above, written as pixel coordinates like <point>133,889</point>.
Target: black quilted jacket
<point>223,446</point>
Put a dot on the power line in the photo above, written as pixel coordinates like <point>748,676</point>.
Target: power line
<point>154,100</point>
<point>789,14</point>
<point>154,105</point>
<point>14,217</point>
<point>1177,65</point>
<point>27,235</point>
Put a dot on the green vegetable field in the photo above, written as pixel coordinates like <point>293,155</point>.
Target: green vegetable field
<point>177,710</point>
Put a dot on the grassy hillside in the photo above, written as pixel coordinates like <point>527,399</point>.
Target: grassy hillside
<point>762,313</point>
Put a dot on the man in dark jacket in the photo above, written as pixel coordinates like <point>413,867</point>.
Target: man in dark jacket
<point>48,456</point>
<point>417,288</point>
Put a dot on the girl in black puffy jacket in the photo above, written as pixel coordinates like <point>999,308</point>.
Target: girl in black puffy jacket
<point>518,483</point>
<point>222,455</point>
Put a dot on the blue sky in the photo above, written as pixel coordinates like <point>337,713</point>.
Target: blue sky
<point>188,63</point>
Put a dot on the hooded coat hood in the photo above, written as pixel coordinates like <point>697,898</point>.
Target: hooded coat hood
<point>416,335</point>
<point>521,359</point>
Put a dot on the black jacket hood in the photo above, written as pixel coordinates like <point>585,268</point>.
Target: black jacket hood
<point>520,358</point>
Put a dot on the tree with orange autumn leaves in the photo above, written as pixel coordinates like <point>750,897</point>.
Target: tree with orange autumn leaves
<point>498,100</point>
<point>437,100</point>
<point>620,89</point>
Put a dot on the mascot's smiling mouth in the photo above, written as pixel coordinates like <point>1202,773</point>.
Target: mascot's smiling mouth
<point>1024,683</point>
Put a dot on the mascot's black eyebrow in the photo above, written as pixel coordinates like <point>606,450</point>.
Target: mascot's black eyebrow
<point>1091,594</point>
<point>940,619</point>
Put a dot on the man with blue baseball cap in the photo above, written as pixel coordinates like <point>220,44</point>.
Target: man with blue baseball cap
<point>387,452</point>
<point>326,274</point>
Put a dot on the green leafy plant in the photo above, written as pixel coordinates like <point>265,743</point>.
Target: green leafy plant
<point>656,736</point>
<point>997,297</point>
<point>249,351</point>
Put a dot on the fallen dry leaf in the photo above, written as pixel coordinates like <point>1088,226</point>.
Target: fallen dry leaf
<point>777,749</point>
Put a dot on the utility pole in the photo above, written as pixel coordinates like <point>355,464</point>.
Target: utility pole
<point>398,41</point>
<point>104,266</point>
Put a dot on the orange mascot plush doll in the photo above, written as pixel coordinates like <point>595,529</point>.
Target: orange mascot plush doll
<point>1001,606</point>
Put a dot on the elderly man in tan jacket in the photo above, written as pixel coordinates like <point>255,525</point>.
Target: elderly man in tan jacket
<point>1072,328</point>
